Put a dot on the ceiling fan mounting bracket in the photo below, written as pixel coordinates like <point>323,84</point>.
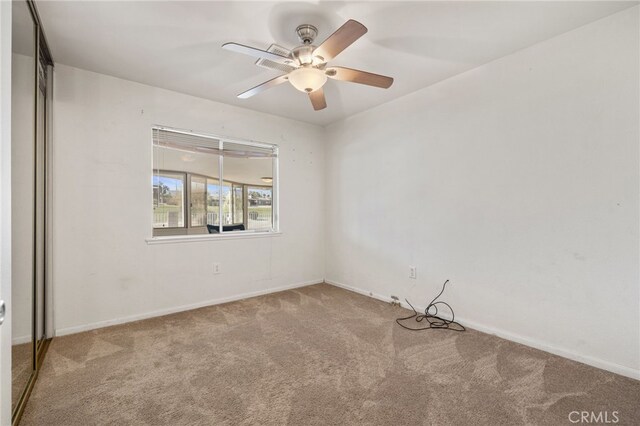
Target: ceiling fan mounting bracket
<point>306,33</point>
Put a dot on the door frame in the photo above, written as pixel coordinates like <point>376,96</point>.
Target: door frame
<point>5,209</point>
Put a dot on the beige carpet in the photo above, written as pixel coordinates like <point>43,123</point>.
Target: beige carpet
<point>318,355</point>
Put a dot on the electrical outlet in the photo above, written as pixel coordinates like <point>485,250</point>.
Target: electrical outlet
<point>216,268</point>
<point>412,272</point>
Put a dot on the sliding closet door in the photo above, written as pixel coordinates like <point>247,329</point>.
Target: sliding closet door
<point>40,201</point>
<point>23,159</point>
<point>31,111</point>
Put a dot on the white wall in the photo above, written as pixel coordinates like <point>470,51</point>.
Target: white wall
<point>518,181</point>
<point>104,270</point>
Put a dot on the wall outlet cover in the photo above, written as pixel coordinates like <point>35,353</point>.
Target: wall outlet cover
<point>413,273</point>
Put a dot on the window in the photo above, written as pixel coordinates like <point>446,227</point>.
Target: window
<point>202,181</point>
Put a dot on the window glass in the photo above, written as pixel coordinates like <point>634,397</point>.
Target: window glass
<point>213,201</point>
<point>168,200</point>
<point>260,207</point>
<point>190,196</point>
<point>180,172</point>
<point>198,203</point>
<point>227,204</point>
<point>252,177</point>
<point>238,207</point>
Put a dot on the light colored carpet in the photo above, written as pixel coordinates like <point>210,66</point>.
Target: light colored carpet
<point>317,355</point>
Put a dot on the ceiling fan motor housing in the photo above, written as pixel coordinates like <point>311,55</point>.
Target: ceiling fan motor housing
<point>304,54</point>
<point>307,33</point>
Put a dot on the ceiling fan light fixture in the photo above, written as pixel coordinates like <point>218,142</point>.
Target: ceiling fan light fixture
<point>307,79</point>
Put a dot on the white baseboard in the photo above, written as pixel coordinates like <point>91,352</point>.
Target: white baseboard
<point>20,340</point>
<point>534,343</point>
<point>101,324</point>
<point>595,362</point>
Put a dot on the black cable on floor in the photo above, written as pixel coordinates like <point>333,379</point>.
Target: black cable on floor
<point>432,318</point>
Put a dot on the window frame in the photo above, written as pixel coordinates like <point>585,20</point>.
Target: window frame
<point>189,232</point>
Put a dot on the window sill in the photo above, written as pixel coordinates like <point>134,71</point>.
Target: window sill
<point>171,239</point>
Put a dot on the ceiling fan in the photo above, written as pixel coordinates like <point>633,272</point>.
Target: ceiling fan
<point>306,65</point>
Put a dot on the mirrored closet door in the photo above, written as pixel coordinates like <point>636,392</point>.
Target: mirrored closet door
<point>23,109</point>
<point>30,105</point>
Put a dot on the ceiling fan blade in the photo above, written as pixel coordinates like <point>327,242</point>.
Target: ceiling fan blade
<point>357,76</point>
<point>264,86</point>
<point>265,63</point>
<point>340,40</point>
<point>257,53</point>
<point>278,50</point>
<point>317,99</point>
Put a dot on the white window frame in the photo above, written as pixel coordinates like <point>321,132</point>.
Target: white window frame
<point>248,233</point>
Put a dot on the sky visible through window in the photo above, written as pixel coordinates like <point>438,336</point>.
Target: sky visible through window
<point>171,183</point>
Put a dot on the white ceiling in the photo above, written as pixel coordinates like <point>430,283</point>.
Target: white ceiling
<point>176,45</point>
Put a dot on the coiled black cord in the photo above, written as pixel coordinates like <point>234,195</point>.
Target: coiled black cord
<point>433,319</point>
